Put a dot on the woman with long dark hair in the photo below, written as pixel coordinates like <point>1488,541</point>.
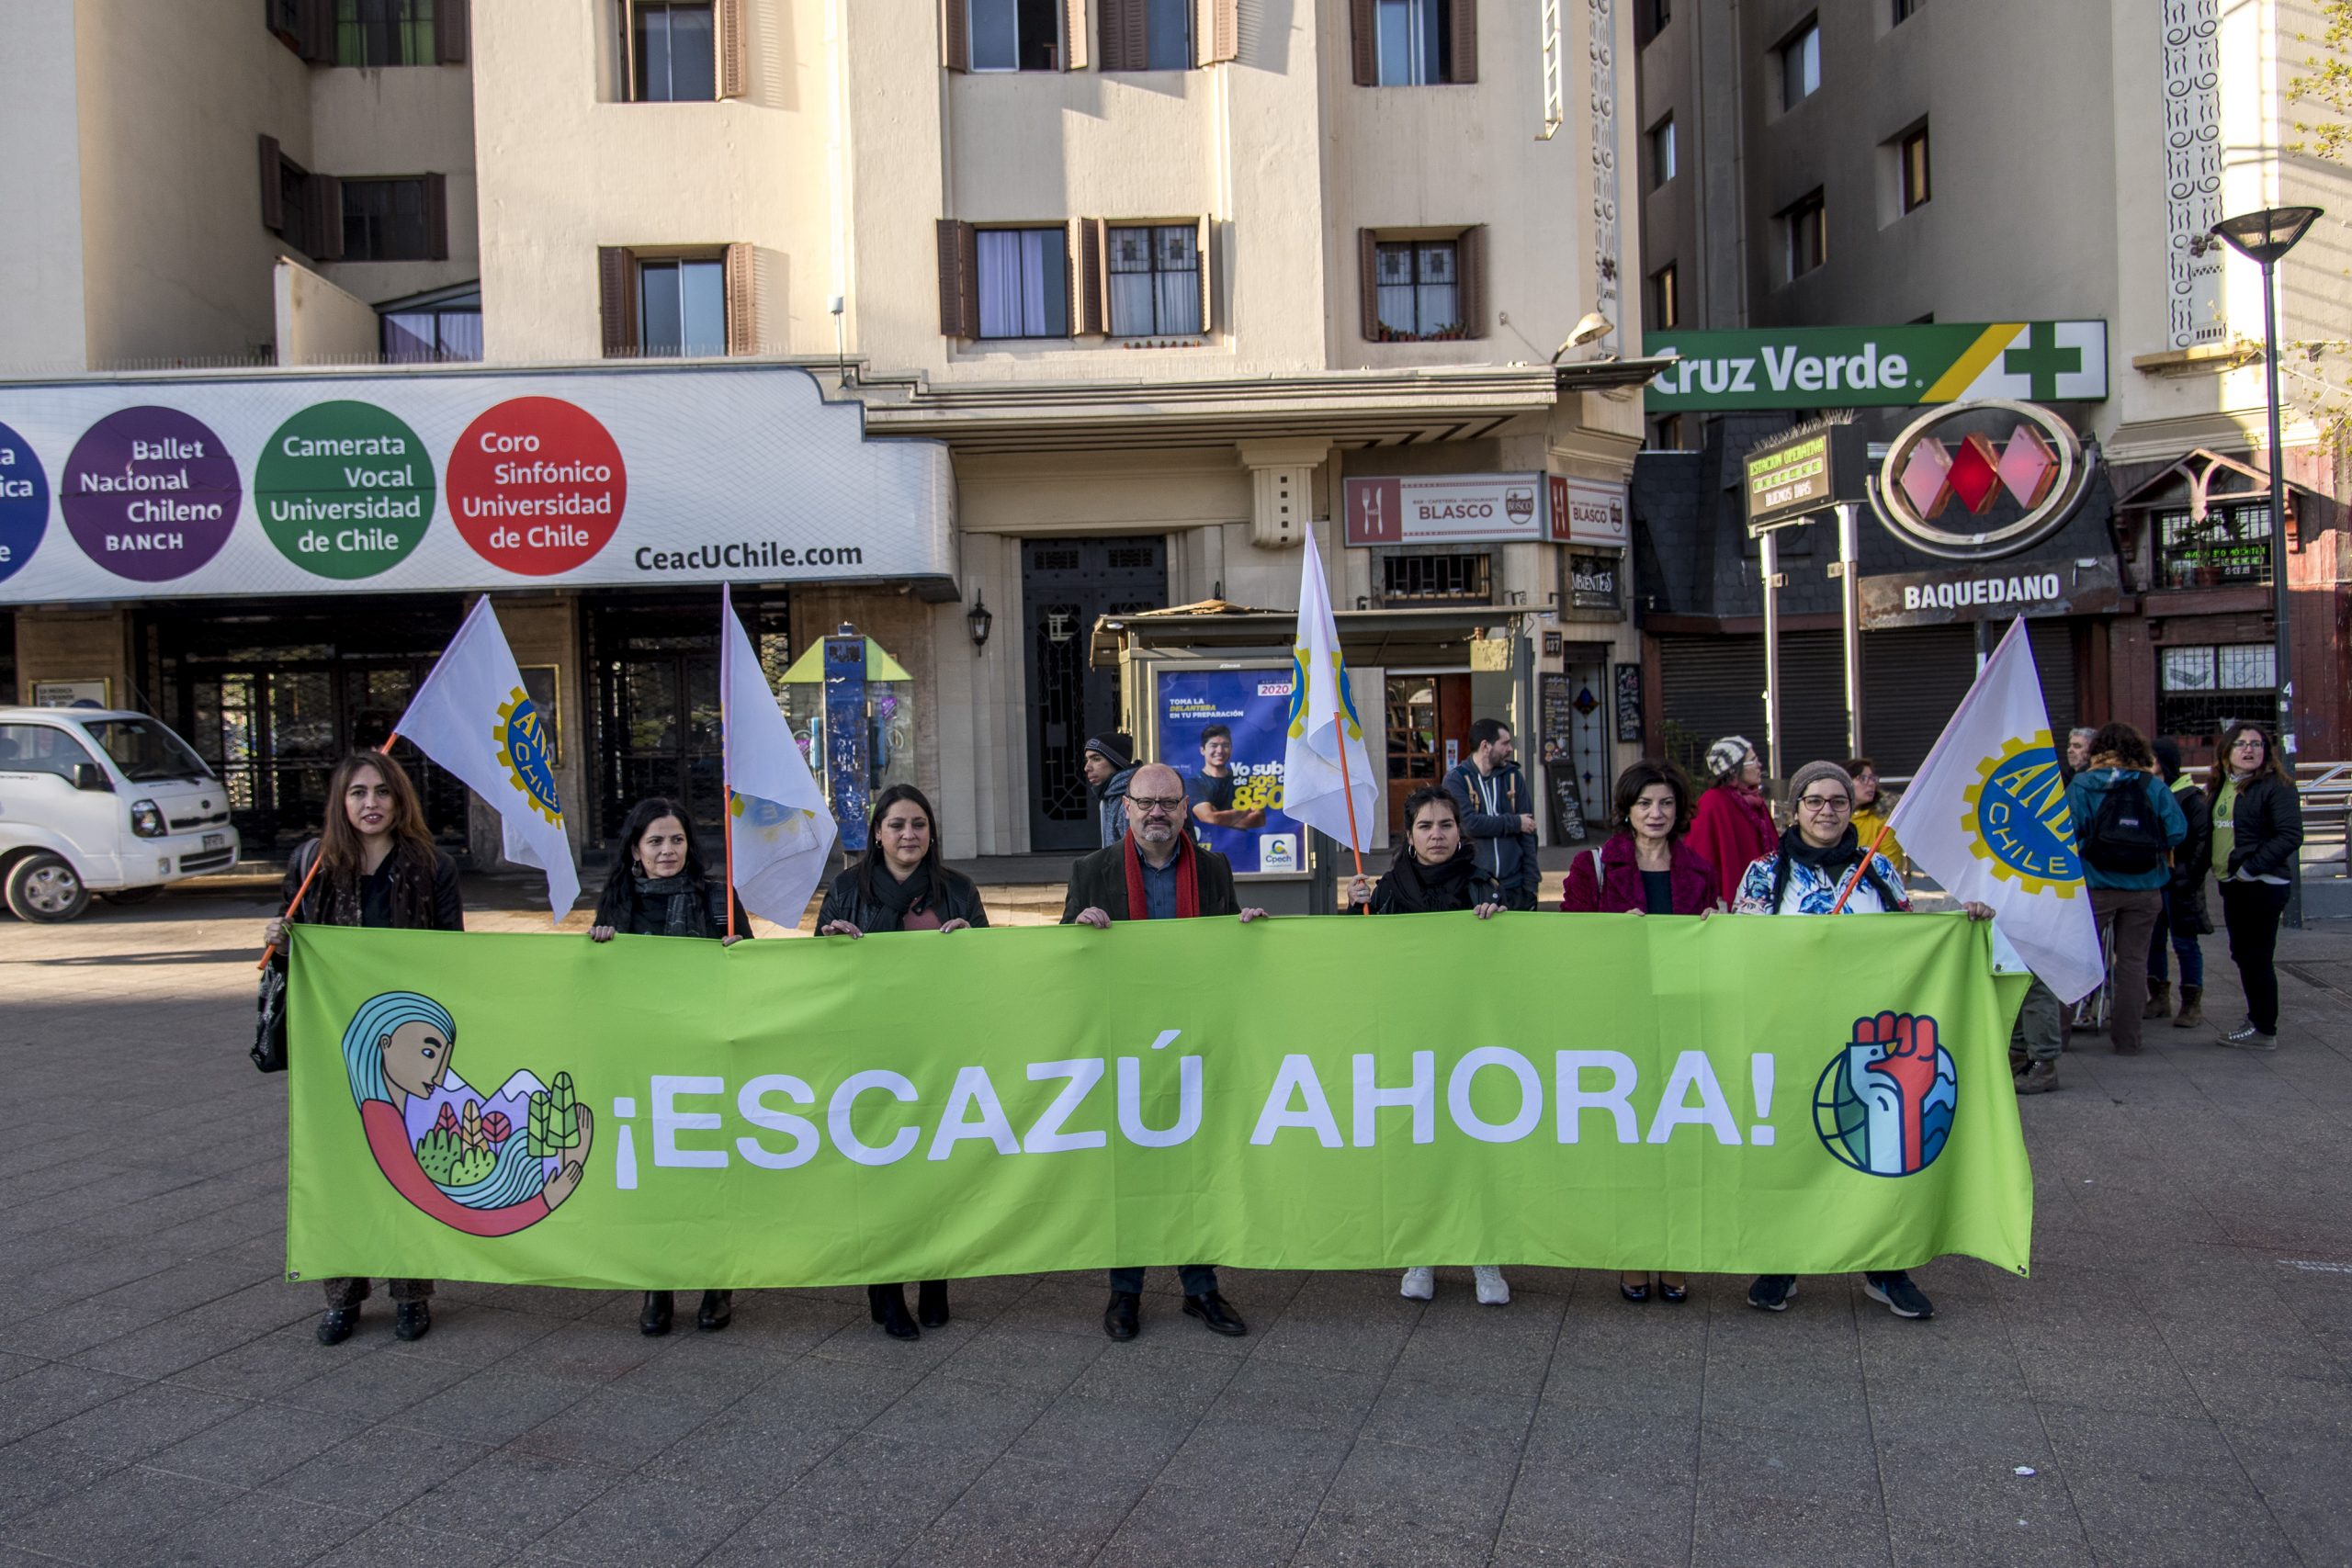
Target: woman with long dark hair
<point>377,866</point>
<point>2258,828</point>
<point>900,884</point>
<point>659,888</point>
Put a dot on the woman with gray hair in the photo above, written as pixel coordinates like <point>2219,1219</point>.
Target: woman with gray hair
<point>1733,824</point>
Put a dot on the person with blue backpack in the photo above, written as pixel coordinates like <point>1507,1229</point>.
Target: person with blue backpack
<point>2126,826</point>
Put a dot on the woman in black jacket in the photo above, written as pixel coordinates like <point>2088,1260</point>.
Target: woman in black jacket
<point>659,888</point>
<point>901,884</point>
<point>2257,828</point>
<point>376,865</point>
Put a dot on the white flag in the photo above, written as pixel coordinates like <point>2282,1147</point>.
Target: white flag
<point>1325,770</point>
<point>781,830</point>
<point>1986,817</point>
<point>473,718</point>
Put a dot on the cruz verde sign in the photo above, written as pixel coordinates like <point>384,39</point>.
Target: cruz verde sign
<point>1835,367</point>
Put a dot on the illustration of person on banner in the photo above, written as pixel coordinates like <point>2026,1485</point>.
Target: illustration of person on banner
<point>1236,723</point>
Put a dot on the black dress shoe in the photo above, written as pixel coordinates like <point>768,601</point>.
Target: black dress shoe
<point>888,1304</point>
<point>931,1303</point>
<point>1119,1318</point>
<point>717,1310</point>
<point>1639,1293</point>
<point>1677,1295</point>
<point>1211,1310</point>
<point>336,1325</point>
<point>411,1320</point>
<point>654,1321</point>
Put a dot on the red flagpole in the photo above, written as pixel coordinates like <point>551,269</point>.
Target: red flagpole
<point>1339,733</point>
<point>316,861</point>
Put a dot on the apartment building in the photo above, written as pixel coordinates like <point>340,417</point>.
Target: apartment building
<point>1893,165</point>
<point>963,322</point>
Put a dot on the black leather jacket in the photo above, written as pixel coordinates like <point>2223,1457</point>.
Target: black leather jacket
<point>2269,825</point>
<point>957,898</point>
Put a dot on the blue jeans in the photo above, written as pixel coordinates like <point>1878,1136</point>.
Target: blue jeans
<point>2192,957</point>
<point>1198,1279</point>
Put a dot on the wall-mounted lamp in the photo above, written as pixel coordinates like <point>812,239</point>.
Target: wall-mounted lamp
<point>1363,601</point>
<point>978,618</point>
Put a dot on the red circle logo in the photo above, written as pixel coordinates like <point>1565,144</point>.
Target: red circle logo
<point>536,486</point>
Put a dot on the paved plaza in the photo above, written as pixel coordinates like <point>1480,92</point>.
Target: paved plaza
<point>2173,1385</point>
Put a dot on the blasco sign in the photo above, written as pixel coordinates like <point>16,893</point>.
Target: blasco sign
<point>1814,367</point>
<point>1456,508</point>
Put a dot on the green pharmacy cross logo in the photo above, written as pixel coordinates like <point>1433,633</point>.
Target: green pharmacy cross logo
<point>2042,361</point>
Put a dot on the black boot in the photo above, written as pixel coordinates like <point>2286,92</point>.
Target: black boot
<point>888,1305</point>
<point>654,1321</point>
<point>717,1310</point>
<point>931,1303</point>
<point>1119,1318</point>
<point>336,1325</point>
<point>413,1320</point>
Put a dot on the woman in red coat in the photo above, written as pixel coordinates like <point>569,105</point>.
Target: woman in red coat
<point>1646,869</point>
<point>1733,824</point>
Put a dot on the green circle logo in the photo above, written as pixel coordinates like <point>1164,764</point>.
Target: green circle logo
<point>345,489</point>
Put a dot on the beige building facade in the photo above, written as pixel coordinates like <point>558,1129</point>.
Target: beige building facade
<point>1168,282</point>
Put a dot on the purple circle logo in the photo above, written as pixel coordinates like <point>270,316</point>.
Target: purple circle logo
<point>149,493</point>
<point>24,503</point>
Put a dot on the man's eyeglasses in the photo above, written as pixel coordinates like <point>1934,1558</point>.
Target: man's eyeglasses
<point>1146,803</point>
<point>1818,803</point>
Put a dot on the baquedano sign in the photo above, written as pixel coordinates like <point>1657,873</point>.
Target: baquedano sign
<point>1818,368</point>
<point>302,483</point>
<point>652,1112</point>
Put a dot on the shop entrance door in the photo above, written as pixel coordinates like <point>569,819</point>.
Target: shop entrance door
<point>1428,720</point>
<point>1064,585</point>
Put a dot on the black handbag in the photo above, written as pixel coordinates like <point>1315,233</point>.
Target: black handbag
<point>270,1020</point>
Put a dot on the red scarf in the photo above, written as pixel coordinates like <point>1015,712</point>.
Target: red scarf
<point>1188,879</point>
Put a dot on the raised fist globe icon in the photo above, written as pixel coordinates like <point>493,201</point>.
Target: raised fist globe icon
<point>1884,1103</point>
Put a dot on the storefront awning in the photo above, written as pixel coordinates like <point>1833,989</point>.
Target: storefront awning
<point>1368,636</point>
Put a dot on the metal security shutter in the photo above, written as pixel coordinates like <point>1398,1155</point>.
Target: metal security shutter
<point>1714,686</point>
<point>1913,680</point>
<point>1813,699</point>
<point>2053,660</point>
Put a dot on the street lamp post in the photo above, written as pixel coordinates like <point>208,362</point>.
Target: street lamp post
<point>2266,237</point>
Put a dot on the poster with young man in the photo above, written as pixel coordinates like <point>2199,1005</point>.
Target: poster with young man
<point>1224,730</point>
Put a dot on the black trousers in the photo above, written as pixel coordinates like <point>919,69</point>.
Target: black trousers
<point>2251,911</point>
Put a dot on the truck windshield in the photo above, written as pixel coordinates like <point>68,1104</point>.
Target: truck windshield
<point>145,751</point>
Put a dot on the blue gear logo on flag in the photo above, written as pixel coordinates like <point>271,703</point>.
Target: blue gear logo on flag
<point>1298,685</point>
<point>2017,818</point>
<point>522,747</point>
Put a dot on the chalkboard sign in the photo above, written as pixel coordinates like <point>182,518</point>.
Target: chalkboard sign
<point>1629,703</point>
<point>1557,701</point>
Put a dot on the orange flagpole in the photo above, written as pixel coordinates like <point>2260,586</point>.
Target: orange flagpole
<point>1854,880</point>
<point>303,891</point>
<point>1347,789</point>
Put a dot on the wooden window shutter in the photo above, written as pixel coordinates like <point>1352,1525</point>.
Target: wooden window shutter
<point>1216,30</point>
<point>616,296</point>
<point>960,284</point>
<point>1364,42</point>
<point>450,33</point>
<point>1089,251</point>
<point>1470,261</point>
<point>272,195</point>
<point>436,216</point>
<point>326,219</point>
<point>1368,284</point>
<point>1464,23</point>
<point>955,35</point>
<point>728,41</point>
<point>1074,38</point>
<point>742,299</point>
<point>314,22</point>
<point>1205,240</point>
<point>1121,43</point>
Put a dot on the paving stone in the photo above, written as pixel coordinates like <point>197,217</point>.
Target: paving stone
<point>113,1519</point>
<point>256,1445</point>
<point>51,1394</point>
<point>1020,1512</point>
<point>146,1420</point>
<point>1109,1438</point>
<point>376,1471</point>
<point>1450,1419</point>
<point>37,1470</point>
<point>647,1523</point>
<point>865,1502</point>
<point>257,1531</point>
<point>512,1499</point>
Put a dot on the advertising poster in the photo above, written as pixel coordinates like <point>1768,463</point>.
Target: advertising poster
<point>1255,705</point>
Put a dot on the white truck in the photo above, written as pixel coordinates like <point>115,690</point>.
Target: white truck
<point>101,800</point>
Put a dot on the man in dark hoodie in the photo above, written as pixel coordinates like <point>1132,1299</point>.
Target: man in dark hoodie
<point>1109,767</point>
<point>1497,812</point>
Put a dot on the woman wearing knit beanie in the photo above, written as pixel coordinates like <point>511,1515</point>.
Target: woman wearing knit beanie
<point>1803,875</point>
<point>1733,824</point>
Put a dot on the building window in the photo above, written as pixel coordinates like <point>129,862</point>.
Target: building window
<point>1155,280</point>
<point>297,225</point>
<point>1807,230</point>
<point>385,220</point>
<point>1665,299</point>
<point>1906,9</point>
<point>1016,35</point>
<point>1667,434</point>
<point>1661,12</point>
<point>1167,34</point>
<point>671,53</point>
<point>444,325</point>
<point>2230,546</point>
<point>1914,159</point>
<point>1436,579</point>
<point>1023,282</point>
<point>1420,290</point>
<point>2201,689</point>
<point>1415,41</point>
<point>682,307</point>
<point>1662,152</point>
<point>1801,65</point>
<point>383,33</point>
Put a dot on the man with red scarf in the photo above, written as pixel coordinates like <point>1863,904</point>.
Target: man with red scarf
<point>1156,872</point>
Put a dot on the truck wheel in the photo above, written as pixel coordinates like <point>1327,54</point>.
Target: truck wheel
<point>43,888</point>
<point>125,896</point>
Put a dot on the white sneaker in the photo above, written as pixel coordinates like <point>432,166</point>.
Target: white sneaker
<point>1492,1290</point>
<point>1419,1284</point>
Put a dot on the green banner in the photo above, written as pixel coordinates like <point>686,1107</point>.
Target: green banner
<point>1733,1095</point>
<point>1845,367</point>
